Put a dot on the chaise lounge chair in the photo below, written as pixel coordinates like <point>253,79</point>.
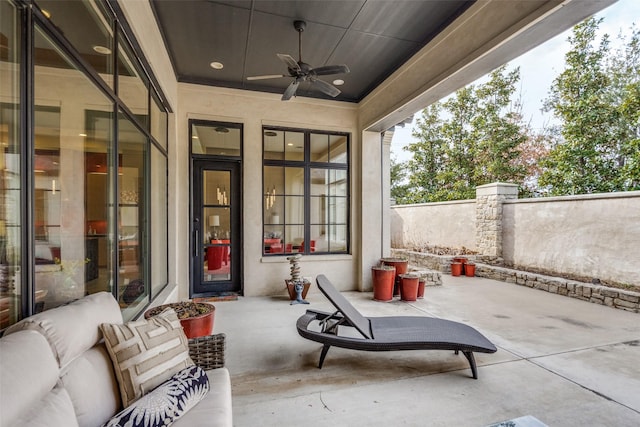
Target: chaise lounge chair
<point>388,333</point>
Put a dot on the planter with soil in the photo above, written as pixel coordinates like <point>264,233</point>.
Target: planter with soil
<point>196,318</point>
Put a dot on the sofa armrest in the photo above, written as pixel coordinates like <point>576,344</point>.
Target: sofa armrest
<point>208,351</point>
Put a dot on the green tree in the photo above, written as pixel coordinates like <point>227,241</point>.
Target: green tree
<point>470,139</point>
<point>624,67</point>
<point>399,186</point>
<point>594,99</point>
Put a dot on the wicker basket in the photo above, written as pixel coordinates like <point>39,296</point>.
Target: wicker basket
<point>208,351</point>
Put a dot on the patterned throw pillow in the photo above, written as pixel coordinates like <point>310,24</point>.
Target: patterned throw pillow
<point>146,353</point>
<point>167,403</point>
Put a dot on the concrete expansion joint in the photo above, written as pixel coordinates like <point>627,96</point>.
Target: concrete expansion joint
<point>533,361</point>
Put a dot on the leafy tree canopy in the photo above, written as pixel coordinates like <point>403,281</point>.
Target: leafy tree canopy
<point>478,136</point>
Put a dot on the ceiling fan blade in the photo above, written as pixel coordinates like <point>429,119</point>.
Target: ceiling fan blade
<point>291,90</point>
<point>267,76</point>
<point>330,69</point>
<point>326,87</point>
<point>289,61</point>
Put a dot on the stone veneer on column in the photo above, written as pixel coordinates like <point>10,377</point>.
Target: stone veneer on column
<point>489,200</point>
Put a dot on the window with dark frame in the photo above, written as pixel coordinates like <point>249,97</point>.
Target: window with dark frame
<point>306,192</point>
<point>115,240</point>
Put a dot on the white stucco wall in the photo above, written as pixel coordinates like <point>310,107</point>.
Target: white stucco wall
<point>262,276</point>
<point>588,237</point>
<point>448,224</point>
<point>593,236</point>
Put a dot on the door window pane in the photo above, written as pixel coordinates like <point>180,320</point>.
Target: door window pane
<point>10,173</point>
<point>219,140</point>
<point>70,259</point>
<point>216,187</point>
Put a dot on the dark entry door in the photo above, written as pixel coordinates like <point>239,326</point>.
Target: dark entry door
<point>216,235</point>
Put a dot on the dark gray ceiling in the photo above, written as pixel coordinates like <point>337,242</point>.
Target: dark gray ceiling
<point>372,37</point>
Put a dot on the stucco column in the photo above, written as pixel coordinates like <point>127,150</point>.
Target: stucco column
<point>489,200</point>
<point>386,194</point>
<point>371,207</point>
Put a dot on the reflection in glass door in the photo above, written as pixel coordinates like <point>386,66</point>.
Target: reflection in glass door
<point>216,249</point>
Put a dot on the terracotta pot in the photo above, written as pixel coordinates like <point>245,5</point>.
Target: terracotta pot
<point>401,266</point>
<point>470,269</point>
<point>421,284</point>
<point>194,326</point>
<point>462,260</point>
<point>409,287</point>
<point>456,268</point>
<point>292,289</point>
<point>383,283</point>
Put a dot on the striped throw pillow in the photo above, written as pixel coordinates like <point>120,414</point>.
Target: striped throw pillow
<point>146,353</point>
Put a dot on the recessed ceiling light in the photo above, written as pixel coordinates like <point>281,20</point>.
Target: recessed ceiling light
<point>290,144</point>
<point>103,50</point>
<point>222,130</point>
<point>338,82</point>
<point>217,65</point>
<point>82,134</point>
<point>194,137</point>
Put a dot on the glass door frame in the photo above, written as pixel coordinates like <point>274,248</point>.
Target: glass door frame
<point>197,286</point>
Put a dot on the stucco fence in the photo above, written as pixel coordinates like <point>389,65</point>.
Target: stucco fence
<point>589,240</point>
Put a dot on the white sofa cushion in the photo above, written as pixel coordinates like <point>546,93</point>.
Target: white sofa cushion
<point>145,353</point>
<point>92,386</point>
<point>215,409</point>
<point>74,328</point>
<point>54,410</point>
<point>28,371</point>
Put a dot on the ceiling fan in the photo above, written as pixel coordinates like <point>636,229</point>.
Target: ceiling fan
<point>303,72</point>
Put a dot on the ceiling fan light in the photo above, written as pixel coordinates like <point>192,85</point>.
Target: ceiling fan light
<point>217,65</point>
<point>338,82</point>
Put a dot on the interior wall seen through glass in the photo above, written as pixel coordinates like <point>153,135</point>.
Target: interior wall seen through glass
<point>158,235</point>
<point>133,287</point>
<point>133,86</point>
<point>216,139</point>
<point>305,179</point>
<point>69,262</point>
<point>159,122</point>
<point>88,29</point>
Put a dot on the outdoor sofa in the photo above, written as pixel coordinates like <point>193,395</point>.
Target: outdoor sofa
<point>56,370</point>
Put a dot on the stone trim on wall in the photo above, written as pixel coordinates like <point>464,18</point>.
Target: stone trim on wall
<point>597,294</point>
<point>611,297</point>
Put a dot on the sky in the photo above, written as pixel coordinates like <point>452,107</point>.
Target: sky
<point>536,75</point>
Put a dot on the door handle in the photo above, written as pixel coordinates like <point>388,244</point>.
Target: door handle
<point>196,243</point>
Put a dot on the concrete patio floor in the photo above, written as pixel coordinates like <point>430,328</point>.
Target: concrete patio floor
<point>564,361</point>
